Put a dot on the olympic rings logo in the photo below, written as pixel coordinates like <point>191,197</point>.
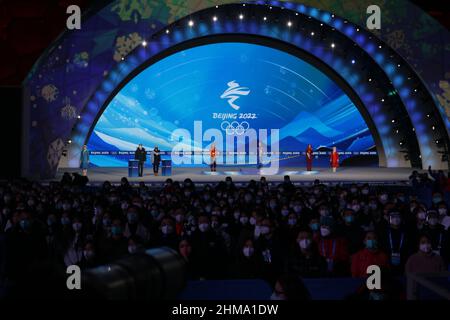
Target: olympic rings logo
<point>235,128</point>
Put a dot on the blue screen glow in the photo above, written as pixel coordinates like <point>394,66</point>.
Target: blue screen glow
<point>230,88</point>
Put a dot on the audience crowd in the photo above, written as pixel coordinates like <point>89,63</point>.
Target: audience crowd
<point>227,231</point>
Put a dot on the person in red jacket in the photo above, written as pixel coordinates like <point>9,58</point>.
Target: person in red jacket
<point>333,248</point>
<point>368,256</point>
<point>309,155</point>
<point>334,159</point>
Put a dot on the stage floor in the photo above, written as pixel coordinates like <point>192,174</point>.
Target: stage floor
<point>353,174</point>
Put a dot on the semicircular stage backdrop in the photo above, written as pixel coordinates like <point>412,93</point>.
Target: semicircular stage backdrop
<point>233,88</point>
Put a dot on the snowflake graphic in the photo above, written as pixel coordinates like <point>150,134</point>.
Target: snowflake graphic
<point>136,10</point>
<point>68,112</point>
<point>444,97</point>
<point>150,94</point>
<point>81,59</point>
<point>54,152</point>
<point>134,88</point>
<point>396,39</point>
<point>49,92</point>
<point>126,44</point>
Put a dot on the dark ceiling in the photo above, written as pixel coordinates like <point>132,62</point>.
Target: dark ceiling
<point>28,27</point>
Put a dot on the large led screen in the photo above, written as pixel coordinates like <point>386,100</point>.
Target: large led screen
<point>255,103</point>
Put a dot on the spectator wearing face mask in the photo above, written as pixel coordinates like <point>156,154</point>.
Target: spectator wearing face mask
<point>74,249</point>
<point>304,260</point>
<point>25,245</point>
<point>248,263</point>
<point>290,287</point>
<point>210,253</point>
<point>425,260</point>
<point>116,245</point>
<point>314,226</point>
<point>90,258</point>
<point>134,227</point>
<point>185,249</point>
<point>370,255</point>
<point>437,233</point>
<point>444,218</point>
<point>270,245</point>
<point>333,248</point>
<point>166,234</point>
<point>135,246</point>
<point>351,231</point>
<point>396,242</point>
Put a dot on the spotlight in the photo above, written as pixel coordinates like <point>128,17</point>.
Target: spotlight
<point>122,58</point>
<point>321,24</point>
<point>428,115</point>
<point>438,141</point>
<point>265,18</point>
<point>296,13</point>
<point>379,47</point>
<point>243,5</point>
<point>289,24</point>
<point>217,7</point>
<point>69,142</point>
<point>144,43</point>
<point>241,16</point>
<point>414,129</point>
<point>214,18</point>
<point>415,90</point>
<point>191,23</point>
<point>270,8</point>
<point>398,65</point>
<point>332,15</point>
<point>353,61</point>
<point>397,131</point>
<point>382,100</point>
<point>79,117</point>
<point>167,31</point>
<point>312,33</point>
<point>370,79</point>
<point>357,29</point>
<point>393,121</point>
<point>332,45</point>
<point>433,127</point>
<point>401,143</point>
<point>345,21</point>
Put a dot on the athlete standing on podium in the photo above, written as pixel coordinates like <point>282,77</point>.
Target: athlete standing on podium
<point>141,155</point>
<point>309,156</point>
<point>213,154</point>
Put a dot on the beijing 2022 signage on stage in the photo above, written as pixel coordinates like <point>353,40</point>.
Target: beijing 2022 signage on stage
<point>255,103</point>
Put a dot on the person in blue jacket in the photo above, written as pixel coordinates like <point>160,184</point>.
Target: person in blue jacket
<point>84,160</point>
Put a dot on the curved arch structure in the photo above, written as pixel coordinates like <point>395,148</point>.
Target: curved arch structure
<point>394,102</point>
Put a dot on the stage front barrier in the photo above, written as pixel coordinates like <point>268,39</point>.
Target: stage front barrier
<point>133,168</point>
<point>428,286</point>
<point>166,167</point>
<point>320,289</point>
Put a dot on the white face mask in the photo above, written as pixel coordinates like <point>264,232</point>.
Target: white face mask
<point>304,243</point>
<point>265,230</point>
<point>274,297</point>
<point>421,215</point>
<point>243,220</point>
<point>203,227</point>
<point>132,249</point>
<point>442,211</point>
<point>252,221</point>
<point>257,231</point>
<point>425,247</point>
<point>166,229</point>
<point>248,251</point>
<point>292,221</point>
<point>323,213</point>
<point>324,232</point>
<point>395,221</point>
